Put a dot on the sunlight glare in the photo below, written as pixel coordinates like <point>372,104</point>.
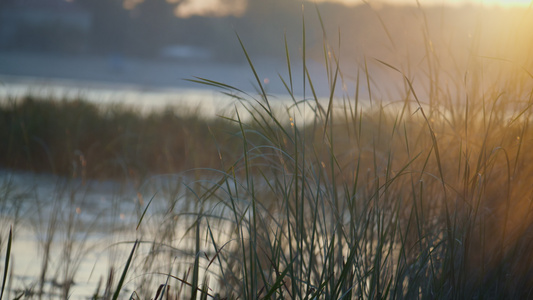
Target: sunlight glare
<point>218,8</point>
<point>501,3</point>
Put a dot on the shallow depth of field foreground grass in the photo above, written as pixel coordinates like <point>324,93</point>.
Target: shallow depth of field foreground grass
<point>428,197</point>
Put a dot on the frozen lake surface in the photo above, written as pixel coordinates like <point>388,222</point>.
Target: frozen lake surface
<point>151,75</point>
<point>63,229</point>
<point>156,83</point>
<point>70,230</point>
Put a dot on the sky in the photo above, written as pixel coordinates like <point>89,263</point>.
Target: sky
<point>187,8</point>
<point>444,2</point>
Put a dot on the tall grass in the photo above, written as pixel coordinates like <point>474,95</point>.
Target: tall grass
<point>425,198</point>
<point>428,197</point>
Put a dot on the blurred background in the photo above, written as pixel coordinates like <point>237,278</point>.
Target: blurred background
<point>155,44</point>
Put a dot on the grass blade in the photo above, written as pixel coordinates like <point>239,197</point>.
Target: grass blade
<point>123,277</point>
<point>263,93</point>
<point>8,255</point>
<point>144,212</point>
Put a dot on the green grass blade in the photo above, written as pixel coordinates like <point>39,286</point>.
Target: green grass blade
<point>288,64</point>
<point>279,281</point>
<point>263,93</point>
<point>144,212</point>
<point>214,83</point>
<point>6,264</point>
<point>196,271</point>
<point>126,267</point>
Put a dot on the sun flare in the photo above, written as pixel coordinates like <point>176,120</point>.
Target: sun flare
<point>501,3</point>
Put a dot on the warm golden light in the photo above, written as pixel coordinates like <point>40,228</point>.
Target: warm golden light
<point>217,8</point>
<point>502,3</point>
<point>220,8</point>
<point>188,8</point>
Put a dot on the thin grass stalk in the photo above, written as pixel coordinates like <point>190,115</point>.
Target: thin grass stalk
<point>6,262</point>
<point>123,276</point>
<point>314,232</point>
<point>263,93</point>
<point>288,61</point>
<point>304,58</point>
<point>196,267</point>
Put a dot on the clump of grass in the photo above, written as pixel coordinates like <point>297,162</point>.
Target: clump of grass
<point>428,198</point>
<point>80,139</point>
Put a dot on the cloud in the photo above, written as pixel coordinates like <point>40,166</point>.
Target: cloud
<point>217,8</point>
